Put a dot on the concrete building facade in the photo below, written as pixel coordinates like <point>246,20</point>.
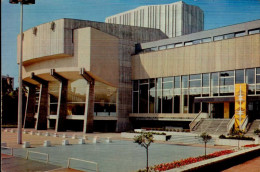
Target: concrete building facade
<point>174,19</point>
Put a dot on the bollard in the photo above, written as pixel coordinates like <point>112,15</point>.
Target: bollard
<point>81,141</point>
<point>47,134</point>
<point>55,135</point>
<point>47,143</point>
<point>65,142</point>
<point>74,136</point>
<point>85,137</point>
<point>64,136</point>
<point>108,140</point>
<point>32,133</point>
<point>26,144</point>
<point>12,131</point>
<point>38,134</point>
<point>95,139</point>
<point>25,132</point>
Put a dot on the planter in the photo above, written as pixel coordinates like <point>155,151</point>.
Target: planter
<point>233,142</point>
<point>155,137</point>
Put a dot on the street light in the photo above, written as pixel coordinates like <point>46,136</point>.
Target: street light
<point>20,107</point>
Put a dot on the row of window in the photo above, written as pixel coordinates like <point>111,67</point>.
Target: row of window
<point>177,94</point>
<point>203,40</point>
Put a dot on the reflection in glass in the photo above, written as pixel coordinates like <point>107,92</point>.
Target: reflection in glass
<point>250,76</point>
<point>158,100</point>
<point>143,98</point>
<point>76,97</point>
<point>152,96</point>
<point>184,81</point>
<point>167,95</point>
<point>105,99</point>
<point>53,90</point>
<point>214,84</point>
<point>240,76</point>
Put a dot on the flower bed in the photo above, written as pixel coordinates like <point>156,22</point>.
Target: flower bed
<point>251,145</point>
<point>238,137</point>
<point>179,163</point>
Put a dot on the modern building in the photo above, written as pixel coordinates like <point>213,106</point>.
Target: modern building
<point>174,19</point>
<point>87,76</point>
<point>79,74</point>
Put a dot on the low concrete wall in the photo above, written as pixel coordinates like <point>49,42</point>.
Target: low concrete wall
<point>156,137</point>
<point>221,163</point>
<point>232,142</point>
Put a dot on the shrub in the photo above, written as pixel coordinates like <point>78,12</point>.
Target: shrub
<point>238,137</point>
<point>257,131</point>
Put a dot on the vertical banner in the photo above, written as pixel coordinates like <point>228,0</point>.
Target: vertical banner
<point>240,104</point>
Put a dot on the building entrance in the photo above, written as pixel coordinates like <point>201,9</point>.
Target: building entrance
<point>217,110</point>
<point>254,110</point>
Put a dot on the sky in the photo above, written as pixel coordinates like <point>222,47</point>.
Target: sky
<point>217,13</point>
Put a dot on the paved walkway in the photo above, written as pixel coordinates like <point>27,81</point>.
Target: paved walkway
<point>248,166</point>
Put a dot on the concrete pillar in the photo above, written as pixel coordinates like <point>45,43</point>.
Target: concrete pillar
<point>29,121</point>
<point>89,109</point>
<point>41,121</point>
<point>62,102</point>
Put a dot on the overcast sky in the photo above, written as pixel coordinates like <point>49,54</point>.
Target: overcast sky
<point>217,13</point>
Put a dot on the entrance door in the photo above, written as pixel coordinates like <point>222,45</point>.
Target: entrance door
<point>254,110</point>
<point>217,110</point>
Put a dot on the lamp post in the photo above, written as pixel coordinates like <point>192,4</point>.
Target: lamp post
<point>20,107</point>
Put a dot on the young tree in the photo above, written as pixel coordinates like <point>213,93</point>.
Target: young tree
<point>206,138</point>
<point>144,139</point>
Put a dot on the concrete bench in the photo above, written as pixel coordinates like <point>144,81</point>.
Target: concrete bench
<point>108,140</point>
<point>65,142</point>
<point>47,143</point>
<point>26,144</point>
<point>81,141</point>
<point>96,139</point>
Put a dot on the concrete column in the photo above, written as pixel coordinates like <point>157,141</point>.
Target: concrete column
<point>62,102</point>
<point>41,121</point>
<point>89,109</point>
<point>29,121</point>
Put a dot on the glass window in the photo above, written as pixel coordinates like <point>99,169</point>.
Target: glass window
<point>217,38</point>
<point>240,76</point>
<point>76,97</point>
<point>154,49</point>
<point>177,82</point>
<point>258,70</point>
<point>250,76</point>
<point>198,41</point>
<point>158,100</point>
<point>167,101</point>
<point>196,83</point>
<point>170,46</point>
<point>205,80</point>
<point>135,102</point>
<point>228,36</point>
<point>152,92</point>
<point>257,75</point>
<point>197,76</point>
<point>206,40</point>
<point>238,34</point>
<point>144,81</point>
<point>168,79</point>
<point>176,104</point>
<point>214,84</point>
<point>53,90</point>
<point>143,98</point>
<point>253,31</point>
<point>162,47</point>
<point>188,43</point>
<point>135,85</point>
<point>178,45</point>
<point>184,83</point>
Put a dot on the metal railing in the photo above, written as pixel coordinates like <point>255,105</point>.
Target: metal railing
<point>12,150</point>
<point>244,124</point>
<point>230,124</point>
<point>47,155</point>
<point>195,121</point>
<point>91,162</point>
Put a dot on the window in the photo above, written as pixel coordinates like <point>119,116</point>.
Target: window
<point>153,48</point>
<point>152,92</point>
<point>253,31</point>
<point>217,38</point>
<point>170,46</point>
<point>178,45</point>
<point>214,84</point>
<point>188,43</point>
<point>206,40</point>
<point>184,83</point>
<point>226,83</point>
<point>250,76</point>
<point>143,96</point>
<point>205,80</point>
<point>257,75</point>
<point>228,36</point>
<point>198,41</point>
<point>240,76</point>
<point>239,34</point>
<point>162,47</point>
<point>195,80</point>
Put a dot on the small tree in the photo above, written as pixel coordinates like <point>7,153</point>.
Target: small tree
<point>206,138</point>
<point>144,139</point>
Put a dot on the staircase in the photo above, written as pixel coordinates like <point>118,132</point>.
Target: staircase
<point>212,126</point>
<point>255,125</point>
<point>189,139</point>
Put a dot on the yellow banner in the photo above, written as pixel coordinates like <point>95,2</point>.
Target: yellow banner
<point>240,104</point>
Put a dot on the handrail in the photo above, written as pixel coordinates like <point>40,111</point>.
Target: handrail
<point>230,124</point>
<point>91,162</point>
<point>244,124</point>
<point>194,122</point>
<point>12,150</point>
<point>47,155</point>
